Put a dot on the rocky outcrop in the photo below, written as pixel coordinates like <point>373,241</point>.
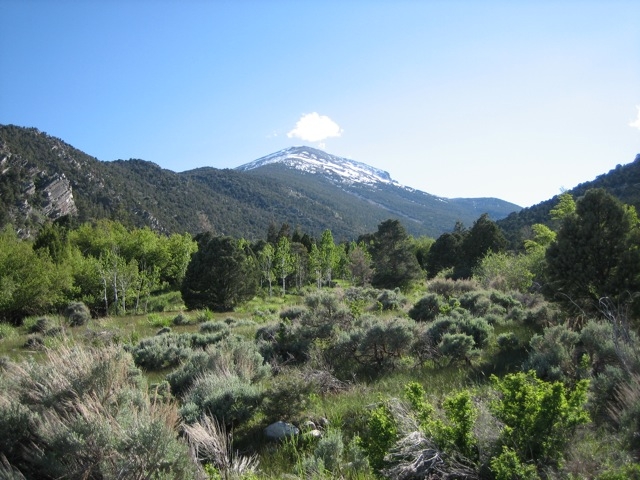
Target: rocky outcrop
<point>58,197</point>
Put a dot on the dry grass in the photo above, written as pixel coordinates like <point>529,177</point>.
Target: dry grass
<point>210,443</point>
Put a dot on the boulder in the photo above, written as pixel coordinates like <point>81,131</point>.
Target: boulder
<point>280,430</point>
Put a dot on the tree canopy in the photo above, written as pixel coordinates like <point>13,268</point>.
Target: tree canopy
<point>595,253</point>
<point>221,274</point>
<point>395,264</point>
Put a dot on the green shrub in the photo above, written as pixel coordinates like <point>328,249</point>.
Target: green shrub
<point>292,313</point>
<point>204,315</point>
<point>229,399</point>
<point>162,351</point>
<point>381,434</point>
<point>230,356</point>
<point>539,417</point>
<point>427,308</point>
<point>330,449</point>
<point>213,327</point>
<point>163,331</point>
<point>158,321</point>
<point>508,342</point>
<point>441,326</point>
<point>476,302</point>
<point>457,346</point>
<point>34,342</point>
<point>7,331</point>
<point>508,466</point>
<point>181,319</point>
<point>287,395</point>
<point>375,346</point>
<point>626,472</point>
<point>77,313</point>
<point>391,300</point>
<point>39,325</point>
<point>541,315</point>
<point>553,355</point>
<point>478,328</point>
<point>451,288</point>
<point>504,300</point>
<point>461,416</point>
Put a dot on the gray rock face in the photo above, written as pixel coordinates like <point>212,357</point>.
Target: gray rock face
<point>59,198</point>
<point>280,430</point>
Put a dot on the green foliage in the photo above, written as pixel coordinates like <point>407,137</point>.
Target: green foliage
<point>77,313</point>
<point>220,275</point>
<point>283,261</point>
<point>626,472</point>
<point>382,432</point>
<point>213,326</point>
<point>7,331</point>
<point>228,398</point>
<point>330,449</point>
<point>505,271</point>
<point>461,417</point>
<point>232,355</point>
<point>391,300</point>
<point>457,346</point>
<point>454,433</point>
<point>415,394</point>
<point>395,264</point>
<point>539,417</point>
<point>508,466</point>
<point>360,265</point>
<point>484,237</point>
<point>30,282</point>
<point>181,319</point>
<point>157,320</point>
<point>595,254</point>
<point>427,308</point>
<point>508,342</point>
<point>552,355</point>
<point>451,288</point>
<point>565,207</point>
<point>445,252</point>
<point>156,353</point>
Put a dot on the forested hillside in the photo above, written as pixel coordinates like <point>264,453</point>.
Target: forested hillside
<point>44,178</point>
<point>623,182</point>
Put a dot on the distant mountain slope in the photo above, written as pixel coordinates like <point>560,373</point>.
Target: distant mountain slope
<point>368,194</point>
<point>42,177</point>
<point>623,182</point>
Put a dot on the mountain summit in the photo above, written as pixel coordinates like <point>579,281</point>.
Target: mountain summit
<point>312,160</point>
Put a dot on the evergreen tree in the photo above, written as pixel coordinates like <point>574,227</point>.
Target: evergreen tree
<point>395,264</point>
<point>444,253</point>
<point>219,276</point>
<point>485,236</point>
<point>596,253</point>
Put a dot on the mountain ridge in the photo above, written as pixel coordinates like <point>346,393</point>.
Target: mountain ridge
<point>226,201</point>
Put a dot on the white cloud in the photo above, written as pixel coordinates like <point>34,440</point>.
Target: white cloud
<point>315,128</point>
<point>636,122</point>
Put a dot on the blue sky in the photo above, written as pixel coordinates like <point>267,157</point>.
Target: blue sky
<point>507,99</point>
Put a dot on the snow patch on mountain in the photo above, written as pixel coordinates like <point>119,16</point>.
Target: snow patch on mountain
<point>312,160</point>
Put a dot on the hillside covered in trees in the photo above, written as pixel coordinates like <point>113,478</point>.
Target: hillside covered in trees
<point>623,182</point>
<point>43,178</point>
<point>133,354</point>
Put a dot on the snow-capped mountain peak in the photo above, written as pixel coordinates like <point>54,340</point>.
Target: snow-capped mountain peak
<point>312,160</point>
